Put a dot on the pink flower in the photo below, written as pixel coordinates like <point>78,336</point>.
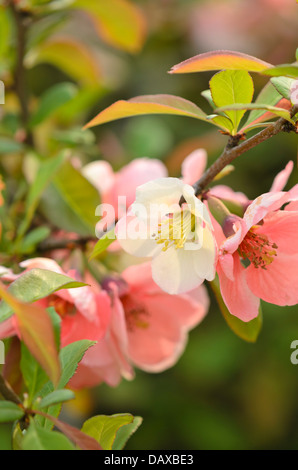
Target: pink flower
<point>148,327</point>
<point>84,311</point>
<point>265,240</point>
<point>123,183</point>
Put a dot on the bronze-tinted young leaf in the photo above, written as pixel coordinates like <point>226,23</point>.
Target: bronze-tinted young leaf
<point>281,112</point>
<point>79,438</point>
<point>118,22</point>
<point>69,55</point>
<point>220,60</point>
<point>36,330</point>
<point>148,104</point>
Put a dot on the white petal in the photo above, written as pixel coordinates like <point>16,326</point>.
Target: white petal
<point>174,271</point>
<point>205,257</point>
<point>136,238</point>
<point>162,191</point>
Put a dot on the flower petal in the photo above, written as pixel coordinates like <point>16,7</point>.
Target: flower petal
<point>136,237</point>
<point>193,166</point>
<point>236,294</point>
<point>281,178</point>
<point>175,271</point>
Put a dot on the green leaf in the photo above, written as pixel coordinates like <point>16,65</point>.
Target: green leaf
<point>248,331</point>
<point>68,207</point>
<point>125,433</point>
<point>104,428</point>
<point>70,357</point>
<point>37,438</point>
<point>283,86</point>
<point>69,55</point>
<point>37,235</point>
<point>230,87</point>
<point>34,285</point>
<point>44,175</point>
<point>222,121</point>
<point>10,412</point>
<point>56,397</point>
<point>118,22</point>
<point>281,112</point>
<point>33,375</point>
<point>284,70</point>
<point>103,243</point>
<point>52,100</point>
<point>220,60</point>
<point>148,104</point>
<point>269,96</point>
<point>9,146</point>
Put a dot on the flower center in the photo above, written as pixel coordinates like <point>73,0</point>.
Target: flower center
<point>62,307</point>
<point>257,249</point>
<point>136,314</point>
<point>176,229</point>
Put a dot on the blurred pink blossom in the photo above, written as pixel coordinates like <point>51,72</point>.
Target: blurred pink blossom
<point>148,328</point>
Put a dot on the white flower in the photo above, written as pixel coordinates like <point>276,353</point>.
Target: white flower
<point>178,238</point>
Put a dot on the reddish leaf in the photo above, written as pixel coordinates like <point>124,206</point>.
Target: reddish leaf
<point>36,330</point>
<point>118,22</point>
<point>79,438</point>
<point>283,103</point>
<point>220,60</point>
<point>148,104</point>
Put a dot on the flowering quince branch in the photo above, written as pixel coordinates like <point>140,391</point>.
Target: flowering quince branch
<point>230,153</point>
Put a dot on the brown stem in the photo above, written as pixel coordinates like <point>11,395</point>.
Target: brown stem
<point>7,392</point>
<point>52,244</point>
<point>230,153</point>
<point>21,22</point>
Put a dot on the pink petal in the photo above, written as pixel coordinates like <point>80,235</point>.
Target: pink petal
<point>193,166</point>
<point>281,178</point>
<point>262,206</point>
<point>226,193</point>
<point>236,294</point>
<point>281,228</point>
<point>136,173</point>
<point>8,328</point>
<point>158,345</point>
<point>101,175</point>
<point>278,283</point>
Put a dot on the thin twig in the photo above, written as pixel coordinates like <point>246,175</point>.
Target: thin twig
<point>7,392</point>
<point>230,154</point>
<point>20,71</point>
<point>54,244</point>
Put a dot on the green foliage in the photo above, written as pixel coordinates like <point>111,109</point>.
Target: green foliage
<point>52,100</point>
<point>37,438</point>
<point>76,208</point>
<point>103,244</point>
<point>104,428</point>
<point>232,87</point>
<point>34,285</point>
<point>10,412</point>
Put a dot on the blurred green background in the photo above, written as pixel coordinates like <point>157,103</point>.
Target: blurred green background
<point>223,393</point>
